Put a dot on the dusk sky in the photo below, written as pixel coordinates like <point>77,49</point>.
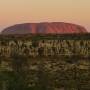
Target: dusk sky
<point>28,11</point>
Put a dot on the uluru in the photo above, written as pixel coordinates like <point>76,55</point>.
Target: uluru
<point>44,28</point>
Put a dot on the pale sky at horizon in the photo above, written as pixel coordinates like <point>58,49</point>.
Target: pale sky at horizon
<point>26,11</point>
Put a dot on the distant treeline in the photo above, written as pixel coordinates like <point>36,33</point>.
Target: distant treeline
<point>47,36</point>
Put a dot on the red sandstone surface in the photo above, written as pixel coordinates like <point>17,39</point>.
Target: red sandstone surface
<point>44,28</point>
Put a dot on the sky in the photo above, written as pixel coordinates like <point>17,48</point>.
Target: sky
<point>28,11</point>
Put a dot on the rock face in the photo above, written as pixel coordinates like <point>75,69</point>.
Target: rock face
<point>44,28</point>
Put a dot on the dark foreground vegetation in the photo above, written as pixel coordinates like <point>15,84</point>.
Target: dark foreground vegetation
<point>41,62</point>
